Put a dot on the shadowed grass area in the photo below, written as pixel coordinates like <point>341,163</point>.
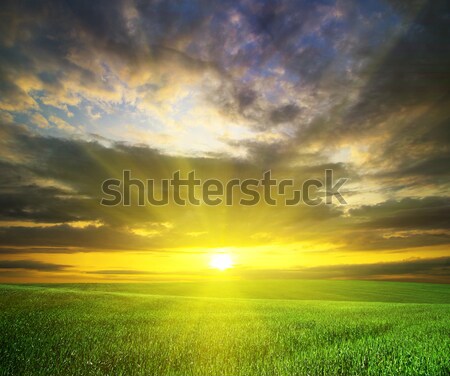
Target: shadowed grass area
<point>130,330</point>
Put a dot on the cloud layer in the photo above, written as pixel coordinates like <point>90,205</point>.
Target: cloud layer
<point>229,90</point>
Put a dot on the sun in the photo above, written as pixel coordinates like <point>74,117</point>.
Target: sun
<point>221,261</point>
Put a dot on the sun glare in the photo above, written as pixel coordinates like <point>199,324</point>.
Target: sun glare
<point>221,261</point>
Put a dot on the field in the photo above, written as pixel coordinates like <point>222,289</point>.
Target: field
<point>259,328</point>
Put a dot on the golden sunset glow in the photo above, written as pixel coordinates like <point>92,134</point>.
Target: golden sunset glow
<point>230,93</point>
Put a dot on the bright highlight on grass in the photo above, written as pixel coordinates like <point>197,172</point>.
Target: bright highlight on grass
<point>221,261</point>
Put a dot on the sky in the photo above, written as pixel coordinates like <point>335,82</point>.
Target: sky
<point>229,89</point>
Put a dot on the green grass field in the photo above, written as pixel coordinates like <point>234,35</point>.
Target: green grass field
<point>288,327</point>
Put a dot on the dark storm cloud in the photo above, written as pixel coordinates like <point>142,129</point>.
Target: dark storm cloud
<point>408,213</point>
<point>415,69</point>
<point>41,204</point>
<point>434,269</point>
<point>32,265</point>
<point>394,242</point>
<point>434,167</point>
<point>27,250</point>
<point>439,266</point>
<point>63,236</point>
<point>284,114</point>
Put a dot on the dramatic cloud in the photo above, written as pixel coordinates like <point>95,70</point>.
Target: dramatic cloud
<point>31,265</point>
<point>434,270</point>
<point>408,213</point>
<point>230,90</point>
